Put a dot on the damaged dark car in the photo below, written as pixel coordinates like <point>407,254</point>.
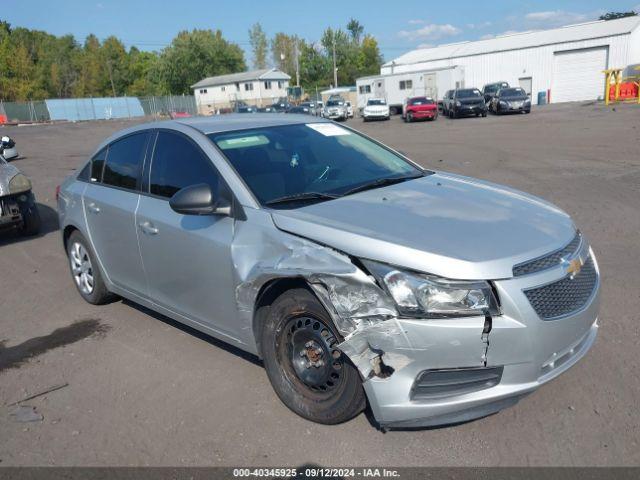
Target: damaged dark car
<point>356,275</point>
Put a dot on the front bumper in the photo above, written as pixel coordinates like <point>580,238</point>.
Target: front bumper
<point>12,208</point>
<point>424,114</point>
<point>530,351</point>
<point>335,115</point>
<point>471,110</point>
<point>515,108</point>
<point>376,116</point>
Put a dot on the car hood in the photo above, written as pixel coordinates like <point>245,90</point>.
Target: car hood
<point>448,225</point>
<point>7,172</point>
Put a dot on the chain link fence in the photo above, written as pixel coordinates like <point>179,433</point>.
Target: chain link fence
<point>79,109</point>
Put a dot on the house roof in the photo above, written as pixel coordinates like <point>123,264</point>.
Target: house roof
<point>267,73</point>
<point>570,33</point>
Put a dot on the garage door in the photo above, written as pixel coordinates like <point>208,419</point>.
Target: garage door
<point>577,74</point>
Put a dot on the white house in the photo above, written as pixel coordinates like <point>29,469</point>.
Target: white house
<point>563,64</point>
<point>258,87</point>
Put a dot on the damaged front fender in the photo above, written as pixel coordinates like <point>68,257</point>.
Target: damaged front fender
<point>375,340</point>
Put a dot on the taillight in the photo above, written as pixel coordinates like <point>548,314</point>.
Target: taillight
<point>57,192</point>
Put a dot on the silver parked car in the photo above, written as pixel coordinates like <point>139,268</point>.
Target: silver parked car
<point>351,271</point>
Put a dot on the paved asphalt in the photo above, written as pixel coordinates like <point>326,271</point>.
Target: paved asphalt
<point>143,390</point>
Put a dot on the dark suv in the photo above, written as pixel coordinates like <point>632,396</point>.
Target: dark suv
<point>465,102</point>
<point>491,89</point>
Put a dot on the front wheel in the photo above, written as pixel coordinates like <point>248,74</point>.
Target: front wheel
<point>452,114</point>
<point>31,221</point>
<point>308,372</point>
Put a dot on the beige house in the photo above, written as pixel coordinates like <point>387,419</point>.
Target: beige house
<point>258,87</point>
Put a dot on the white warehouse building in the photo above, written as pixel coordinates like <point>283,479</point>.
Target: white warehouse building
<point>258,87</point>
<point>566,63</point>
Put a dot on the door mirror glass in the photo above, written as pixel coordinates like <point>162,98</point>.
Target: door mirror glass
<point>198,200</point>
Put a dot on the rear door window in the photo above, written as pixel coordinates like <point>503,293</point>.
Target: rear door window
<point>177,163</point>
<point>124,161</point>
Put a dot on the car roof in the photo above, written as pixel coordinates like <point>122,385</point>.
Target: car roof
<point>218,124</point>
<point>237,121</point>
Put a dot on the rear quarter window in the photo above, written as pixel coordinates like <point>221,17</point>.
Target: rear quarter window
<point>124,161</point>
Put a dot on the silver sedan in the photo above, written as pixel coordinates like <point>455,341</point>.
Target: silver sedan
<point>355,274</point>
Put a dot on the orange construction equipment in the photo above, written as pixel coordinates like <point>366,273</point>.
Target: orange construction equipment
<point>616,90</point>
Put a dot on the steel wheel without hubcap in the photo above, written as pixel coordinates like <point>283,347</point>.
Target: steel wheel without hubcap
<point>309,347</point>
<point>81,268</point>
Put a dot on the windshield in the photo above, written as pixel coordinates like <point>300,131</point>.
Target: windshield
<point>376,102</point>
<point>469,93</point>
<point>314,158</point>
<point>421,101</point>
<point>334,103</point>
<point>512,92</point>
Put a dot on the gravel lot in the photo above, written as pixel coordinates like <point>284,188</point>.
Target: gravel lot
<point>143,390</point>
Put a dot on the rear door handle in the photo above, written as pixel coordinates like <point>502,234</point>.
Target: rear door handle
<point>148,228</point>
<point>93,208</point>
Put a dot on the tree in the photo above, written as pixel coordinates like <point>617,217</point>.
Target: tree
<point>315,66</point>
<point>616,15</point>
<point>143,72</point>
<point>283,50</point>
<point>355,29</point>
<point>195,55</point>
<point>259,46</point>
<point>369,57</point>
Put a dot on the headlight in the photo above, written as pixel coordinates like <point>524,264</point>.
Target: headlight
<point>19,184</point>
<point>458,104</point>
<point>429,296</point>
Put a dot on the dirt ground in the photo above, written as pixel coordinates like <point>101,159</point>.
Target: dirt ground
<point>143,390</point>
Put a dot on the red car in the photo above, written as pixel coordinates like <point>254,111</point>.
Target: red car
<point>420,108</point>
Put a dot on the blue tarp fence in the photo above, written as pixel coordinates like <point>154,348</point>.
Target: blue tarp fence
<point>104,108</point>
<point>75,109</point>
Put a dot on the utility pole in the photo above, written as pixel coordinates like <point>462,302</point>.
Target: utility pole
<point>335,69</point>
<point>297,64</point>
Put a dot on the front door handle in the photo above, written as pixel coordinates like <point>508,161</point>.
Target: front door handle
<point>93,208</point>
<point>148,228</point>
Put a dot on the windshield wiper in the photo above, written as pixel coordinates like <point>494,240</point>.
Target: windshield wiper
<point>297,197</point>
<point>381,182</point>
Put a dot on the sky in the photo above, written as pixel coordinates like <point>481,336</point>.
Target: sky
<point>399,26</point>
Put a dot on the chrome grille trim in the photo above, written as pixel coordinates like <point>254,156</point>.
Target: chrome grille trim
<point>566,296</point>
<point>549,260</point>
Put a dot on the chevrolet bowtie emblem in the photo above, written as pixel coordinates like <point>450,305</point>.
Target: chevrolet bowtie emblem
<point>573,266</point>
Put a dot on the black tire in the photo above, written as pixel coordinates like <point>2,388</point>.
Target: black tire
<point>298,330</point>
<point>409,117</point>
<point>527,112</point>
<point>31,221</point>
<point>484,114</point>
<point>99,294</point>
<point>452,114</point>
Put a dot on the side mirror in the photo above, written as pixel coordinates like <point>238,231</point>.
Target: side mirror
<point>198,200</point>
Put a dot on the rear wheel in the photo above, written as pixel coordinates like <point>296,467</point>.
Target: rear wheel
<point>85,271</point>
<point>306,369</point>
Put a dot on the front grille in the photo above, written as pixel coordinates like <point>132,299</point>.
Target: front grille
<point>565,296</point>
<point>547,261</point>
<point>433,384</point>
